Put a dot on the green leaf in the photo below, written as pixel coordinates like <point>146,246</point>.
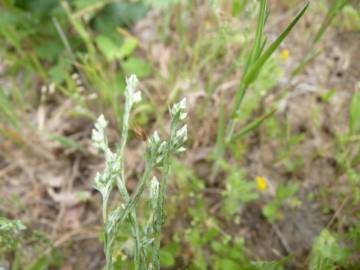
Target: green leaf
<point>253,56</point>
<point>59,71</point>
<point>255,68</point>
<point>252,126</point>
<point>162,4</point>
<point>238,6</point>
<point>238,191</point>
<point>193,236</point>
<point>273,265</point>
<point>137,66</point>
<point>227,264</point>
<point>40,263</point>
<point>354,117</point>
<point>326,253</point>
<point>166,258</point>
<point>220,138</point>
<point>286,191</point>
<point>334,9</point>
<point>127,47</point>
<point>65,141</point>
<point>39,8</point>
<point>328,94</point>
<point>283,192</point>
<point>7,110</point>
<point>50,49</point>
<point>270,211</point>
<point>107,47</point>
<point>113,51</point>
<point>118,15</point>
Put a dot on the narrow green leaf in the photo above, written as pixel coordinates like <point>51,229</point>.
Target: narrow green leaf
<point>259,32</point>
<point>354,117</point>
<point>335,8</point>
<point>254,69</point>
<point>253,125</point>
<point>67,142</point>
<point>307,59</point>
<point>220,139</point>
<point>238,7</point>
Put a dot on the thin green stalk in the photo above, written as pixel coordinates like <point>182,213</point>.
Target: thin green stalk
<point>80,29</point>
<point>160,211</point>
<point>69,50</point>
<point>258,57</point>
<point>335,7</point>
<point>108,253</point>
<point>251,126</point>
<point>107,247</point>
<point>312,52</point>
<point>122,187</point>
<point>121,214</point>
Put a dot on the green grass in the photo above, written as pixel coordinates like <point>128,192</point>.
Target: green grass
<point>177,215</point>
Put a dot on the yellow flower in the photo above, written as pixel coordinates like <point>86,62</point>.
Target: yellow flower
<point>261,183</point>
<point>284,55</point>
<point>208,24</point>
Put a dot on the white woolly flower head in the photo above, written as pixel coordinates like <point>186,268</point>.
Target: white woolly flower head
<point>154,140</point>
<point>178,110</point>
<point>131,94</point>
<point>98,133</point>
<point>181,135</point>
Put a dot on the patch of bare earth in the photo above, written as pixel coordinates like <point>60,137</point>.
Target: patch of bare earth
<point>42,182</point>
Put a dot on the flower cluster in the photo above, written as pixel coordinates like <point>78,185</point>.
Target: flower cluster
<point>104,180</point>
<point>131,95</point>
<point>158,153</point>
<point>98,137</point>
<point>178,110</point>
<point>179,139</point>
<point>157,149</point>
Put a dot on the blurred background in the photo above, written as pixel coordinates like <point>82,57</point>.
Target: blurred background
<point>284,194</point>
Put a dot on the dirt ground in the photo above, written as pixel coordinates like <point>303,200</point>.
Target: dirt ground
<point>41,180</point>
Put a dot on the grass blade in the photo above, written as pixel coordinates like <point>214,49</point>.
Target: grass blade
<point>255,68</point>
<point>253,125</point>
<point>354,121</point>
<point>335,8</point>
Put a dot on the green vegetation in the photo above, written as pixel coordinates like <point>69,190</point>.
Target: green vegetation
<point>268,115</point>
<point>158,153</point>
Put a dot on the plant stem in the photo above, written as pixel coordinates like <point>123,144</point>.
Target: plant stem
<point>122,214</point>
<point>122,187</point>
<point>160,212</point>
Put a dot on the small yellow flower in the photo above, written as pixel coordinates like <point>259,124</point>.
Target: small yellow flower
<point>284,55</point>
<point>261,183</point>
<point>208,24</point>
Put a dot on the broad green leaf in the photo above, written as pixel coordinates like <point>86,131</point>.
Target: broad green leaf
<point>111,50</point>
<point>108,48</point>
<point>137,66</point>
<point>166,258</point>
<point>127,47</point>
